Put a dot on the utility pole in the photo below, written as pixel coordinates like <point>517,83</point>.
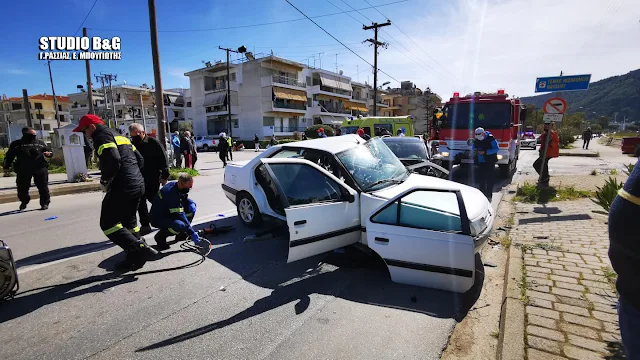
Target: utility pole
<point>155,52</point>
<point>27,108</point>
<point>87,68</point>
<point>108,94</point>
<point>144,119</point>
<point>376,43</point>
<point>320,59</point>
<point>53,90</point>
<point>240,50</point>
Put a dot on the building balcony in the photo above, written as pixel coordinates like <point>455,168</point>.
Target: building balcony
<point>221,110</point>
<point>320,89</point>
<point>283,81</point>
<point>222,87</point>
<point>290,107</point>
<point>359,100</point>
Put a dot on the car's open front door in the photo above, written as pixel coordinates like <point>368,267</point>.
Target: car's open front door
<point>424,237</point>
<point>322,212</point>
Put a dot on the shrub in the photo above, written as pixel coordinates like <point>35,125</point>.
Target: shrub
<point>312,131</point>
<point>629,169</point>
<point>531,193</point>
<point>286,141</point>
<point>174,172</point>
<point>566,137</point>
<point>604,196</point>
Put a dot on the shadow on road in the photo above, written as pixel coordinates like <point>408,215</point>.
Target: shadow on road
<point>348,274</point>
<point>467,175</point>
<point>63,253</point>
<point>13,212</point>
<point>573,217</point>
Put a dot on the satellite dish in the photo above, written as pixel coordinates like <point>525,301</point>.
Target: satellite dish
<point>341,72</point>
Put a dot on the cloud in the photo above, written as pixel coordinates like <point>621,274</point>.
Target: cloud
<point>480,45</point>
<point>15,71</point>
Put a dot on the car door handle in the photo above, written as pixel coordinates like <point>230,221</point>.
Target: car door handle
<point>300,222</point>
<point>384,240</point>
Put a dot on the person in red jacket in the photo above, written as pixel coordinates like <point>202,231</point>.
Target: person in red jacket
<point>553,151</point>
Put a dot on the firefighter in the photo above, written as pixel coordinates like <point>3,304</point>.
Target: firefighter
<point>29,154</point>
<point>486,146</point>
<point>122,181</point>
<point>155,171</point>
<point>172,212</point>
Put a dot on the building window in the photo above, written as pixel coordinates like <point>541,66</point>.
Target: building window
<point>36,126</point>
<point>308,80</point>
<point>176,114</point>
<point>233,76</point>
<point>209,83</point>
<point>413,100</point>
<point>235,123</point>
<point>62,118</point>
<point>47,127</point>
<point>309,102</point>
<point>38,106</point>
<point>267,121</point>
<point>16,106</point>
<point>59,107</point>
<point>188,103</point>
<point>39,116</point>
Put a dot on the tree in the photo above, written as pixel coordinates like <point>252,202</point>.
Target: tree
<point>596,128</point>
<point>633,126</point>
<point>603,121</point>
<point>574,121</point>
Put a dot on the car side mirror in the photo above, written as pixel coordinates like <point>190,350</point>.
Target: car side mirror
<point>351,198</point>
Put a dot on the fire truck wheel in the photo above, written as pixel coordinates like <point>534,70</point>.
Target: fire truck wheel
<point>507,170</point>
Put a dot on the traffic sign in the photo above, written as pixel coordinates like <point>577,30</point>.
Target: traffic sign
<point>563,83</point>
<point>552,117</point>
<point>555,105</point>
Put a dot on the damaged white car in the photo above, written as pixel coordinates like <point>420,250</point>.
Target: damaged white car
<point>342,190</point>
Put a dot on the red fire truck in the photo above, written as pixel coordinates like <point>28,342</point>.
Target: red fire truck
<point>495,112</point>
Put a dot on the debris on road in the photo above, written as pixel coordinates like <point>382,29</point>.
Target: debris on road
<point>50,218</point>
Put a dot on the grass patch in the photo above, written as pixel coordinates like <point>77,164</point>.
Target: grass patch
<point>613,172</point>
<point>175,172</point>
<point>567,147</point>
<point>611,277</point>
<point>523,285</point>
<point>594,172</point>
<point>542,246</point>
<point>531,193</point>
<point>629,168</point>
<point>495,334</point>
<point>623,134</point>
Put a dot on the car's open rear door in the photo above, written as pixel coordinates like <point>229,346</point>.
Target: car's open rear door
<point>424,237</point>
<point>322,212</point>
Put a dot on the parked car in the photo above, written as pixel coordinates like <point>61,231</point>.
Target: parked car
<point>414,154</point>
<point>206,143</point>
<point>631,145</point>
<point>528,141</point>
<point>343,190</point>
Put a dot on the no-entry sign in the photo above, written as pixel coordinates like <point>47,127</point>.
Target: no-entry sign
<point>555,105</point>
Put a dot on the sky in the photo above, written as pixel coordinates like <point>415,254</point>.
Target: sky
<point>457,45</point>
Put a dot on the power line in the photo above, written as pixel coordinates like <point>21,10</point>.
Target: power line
<point>89,13</point>
<point>336,39</point>
<point>416,44</point>
<point>249,25</point>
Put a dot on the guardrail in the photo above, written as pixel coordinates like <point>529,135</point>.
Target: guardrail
<point>287,81</point>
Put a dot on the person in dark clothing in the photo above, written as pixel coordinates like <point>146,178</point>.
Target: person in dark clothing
<point>304,136</point>
<point>624,253</point>
<point>486,146</point>
<point>186,148</point>
<point>155,171</point>
<point>88,151</point>
<point>177,154</point>
<point>338,132</point>
<point>256,142</point>
<point>172,212</point>
<point>587,135</point>
<point>122,181</point>
<point>361,133</point>
<point>29,154</point>
<point>194,154</point>
<point>229,148</point>
<point>223,147</point>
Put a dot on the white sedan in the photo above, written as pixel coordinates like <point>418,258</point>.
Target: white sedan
<point>342,190</point>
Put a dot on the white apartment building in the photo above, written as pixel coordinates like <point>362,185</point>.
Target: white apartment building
<point>272,96</point>
<point>131,104</point>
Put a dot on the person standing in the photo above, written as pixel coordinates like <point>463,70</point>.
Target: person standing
<point>177,153</point>
<point>88,151</point>
<point>155,171</point>
<point>223,147</point>
<point>122,181</point>
<point>321,133</point>
<point>624,253</point>
<point>361,133</point>
<point>186,148</point>
<point>273,141</point>
<point>553,151</point>
<point>486,146</point>
<point>229,148</point>
<point>304,136</point>
<point>399,133</point>
<point>194,154</point>
<point>338,132</point>
<point>256,142</point>
<point>587,135</point>
<point>172,212</point>
<point>30,156</point>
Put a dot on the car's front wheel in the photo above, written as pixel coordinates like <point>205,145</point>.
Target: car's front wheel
<point>248,211</point>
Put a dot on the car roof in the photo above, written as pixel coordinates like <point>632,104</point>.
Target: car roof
<point>332,144</point>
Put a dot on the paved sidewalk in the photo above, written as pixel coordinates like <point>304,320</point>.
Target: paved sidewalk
<point>570,298</point>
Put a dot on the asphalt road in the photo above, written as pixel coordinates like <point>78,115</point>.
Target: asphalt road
<point>242,302</point>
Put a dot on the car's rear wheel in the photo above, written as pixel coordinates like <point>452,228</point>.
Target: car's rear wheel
<point>248,211</point>
<point>205,147</point>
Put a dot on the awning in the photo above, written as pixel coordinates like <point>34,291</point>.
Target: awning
<point>215,99</point>
<point>179,101</point>
<point>332,120</point>
<point>289,94</point>
<point>325,97</point>
<point>335,82</point>
<point>355,106</point>
<point>172,98</point>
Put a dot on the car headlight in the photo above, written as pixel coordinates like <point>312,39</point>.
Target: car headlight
<point>478,226</point>
<point>445,153</point>
<point>500,157</point>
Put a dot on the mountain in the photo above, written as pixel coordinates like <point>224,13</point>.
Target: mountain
<point>619,94</point>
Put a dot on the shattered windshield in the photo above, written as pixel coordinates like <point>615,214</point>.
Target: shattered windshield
<point>373,165</point>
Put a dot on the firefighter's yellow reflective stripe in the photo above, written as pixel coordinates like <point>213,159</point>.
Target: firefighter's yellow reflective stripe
<point>136,229</point>
<point>106,146</point>
<point>632,198</point>
<point>160,195</point>
<point>134,147</point>
<point>173,231</point>
<point>113,229</point>
<point>176,210</point>
<point>189,214</point>
<point>121,140</point>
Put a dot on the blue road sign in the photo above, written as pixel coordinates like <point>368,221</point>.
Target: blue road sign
<point>563,83</point>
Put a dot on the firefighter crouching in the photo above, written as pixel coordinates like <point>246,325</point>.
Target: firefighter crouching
<point>120,166</point>
<point>172,212</point>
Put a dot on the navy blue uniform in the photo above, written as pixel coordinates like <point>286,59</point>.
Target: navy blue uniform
<point>173,211</point>
<point>486,162</point>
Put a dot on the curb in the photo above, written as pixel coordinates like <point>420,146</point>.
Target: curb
<point>511,341</point>
<point>579,154</point>
<point>55,191</point>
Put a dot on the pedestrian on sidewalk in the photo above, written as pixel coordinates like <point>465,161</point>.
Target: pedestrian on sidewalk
<point>175,142</point>
<point>186,148</point>
<point>624,253</point>
<point>194,154</point>
<point>30,156</point>
<point>587,135</point>
<point>88,151</point>
<point>229,148</point>
<point>256,142</point>
<point>172,212</point>
<point>553,151</point>
<point>223,147</point>
<point>155,171</point>
<point>486,147</point>
<point>122,181</point>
